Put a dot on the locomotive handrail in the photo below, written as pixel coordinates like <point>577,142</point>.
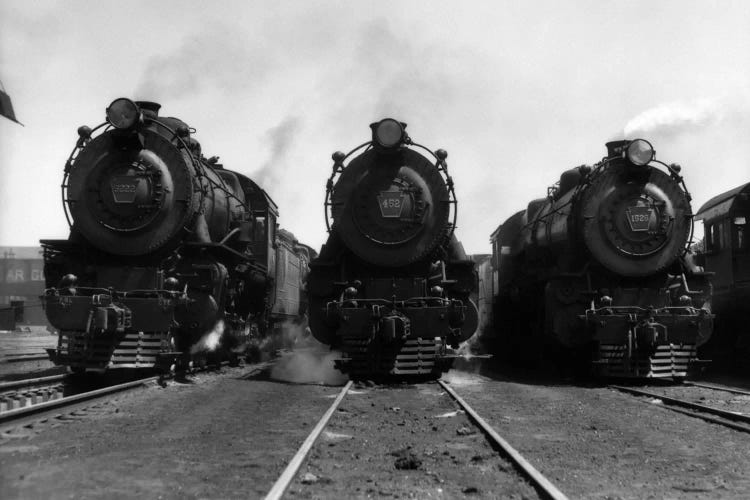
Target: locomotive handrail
<point>611,310</point>
<point>399,303</point>
<point>80,144</point>
<point>89,291</point>
<point>442,166</point>
<point>676,175</point>
<point>338,167</point>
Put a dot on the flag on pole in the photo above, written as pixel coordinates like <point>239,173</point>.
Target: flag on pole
<point>6,107</point>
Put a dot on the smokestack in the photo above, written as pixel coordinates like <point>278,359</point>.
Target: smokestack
<point>615,148</point>
<point>149,108</point>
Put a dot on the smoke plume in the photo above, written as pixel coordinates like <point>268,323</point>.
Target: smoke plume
<point>281,138</point>
<point>216,58</point>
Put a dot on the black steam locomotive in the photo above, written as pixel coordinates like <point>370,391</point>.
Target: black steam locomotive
<point>597,274</point>
<point>390,289</point>
<point>169,253</point>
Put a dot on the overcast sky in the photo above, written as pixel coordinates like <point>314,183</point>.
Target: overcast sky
<point>516,92</point>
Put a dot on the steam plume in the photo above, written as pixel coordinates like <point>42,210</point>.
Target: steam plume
<point>308,362</point>
<point>672,119</point>
<point>210,340</point>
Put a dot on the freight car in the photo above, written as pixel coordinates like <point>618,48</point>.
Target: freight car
<point>390,289</point>
<point>595,277</point>
<point>726,253</point>
<point>169,254</point>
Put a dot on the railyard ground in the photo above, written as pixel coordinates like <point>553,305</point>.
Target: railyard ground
<point>26,340</point>
<point>229,434</point>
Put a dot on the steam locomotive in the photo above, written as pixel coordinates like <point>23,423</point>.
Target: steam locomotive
<point>390,289</point>
<point>169,254</point>
<point>596,277</point>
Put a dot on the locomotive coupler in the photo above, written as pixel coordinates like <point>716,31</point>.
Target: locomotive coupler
<point>394,328</point>
<point>649,333</point>
<point>109,319</point>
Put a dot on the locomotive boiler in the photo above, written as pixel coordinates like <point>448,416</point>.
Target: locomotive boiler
<point>390,289</point>
<point>169,253</point>
<point>597,275</point>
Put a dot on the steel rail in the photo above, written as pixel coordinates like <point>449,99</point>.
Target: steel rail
<point>10,415</point>
<point>543,485</point>
<point>20,359</point>
<point>718,388</point>
<point>728,415</point>
<point>30,382</point>
<point>283,482</point>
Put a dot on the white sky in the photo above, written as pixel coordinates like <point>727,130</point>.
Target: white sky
<point>516,92</point>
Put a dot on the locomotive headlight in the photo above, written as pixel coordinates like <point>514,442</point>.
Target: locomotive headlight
<point>640,152</point>
<point>388,133</point>
<point>123,113</point>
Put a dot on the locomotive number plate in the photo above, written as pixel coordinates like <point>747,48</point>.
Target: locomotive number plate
<point>391,203</point>
<point>124,188</point>
<point>639,218</point>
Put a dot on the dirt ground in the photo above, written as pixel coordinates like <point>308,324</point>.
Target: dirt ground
<point>593,442</point>
<point>405,441</point>
<point>14,344</point>
<point>222,436</point>
<point>229,435</point>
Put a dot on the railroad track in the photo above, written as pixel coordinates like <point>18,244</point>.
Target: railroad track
<point>542,485</point>
<point>14,416</point>
<point>733,390</point>
<point>28,392</point>
<point>26,357</point>
<point>24,399</point>
<point>732,419</point>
